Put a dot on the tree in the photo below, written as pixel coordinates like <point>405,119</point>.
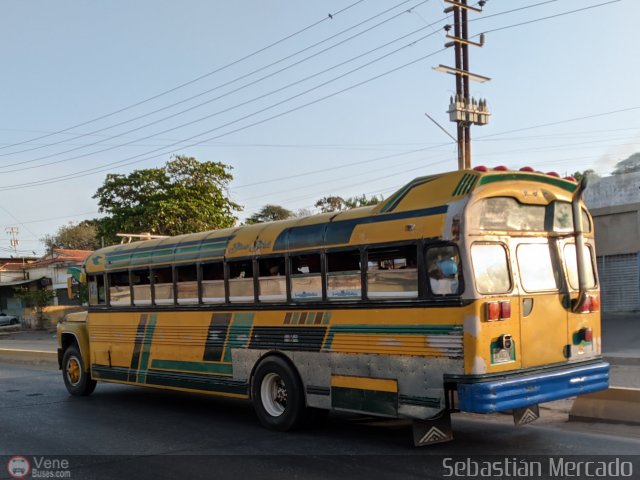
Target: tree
<point>628,165</point>
<point>36,299</point>
<point>269,213</point>
<point>590,173</point>
<point>335,203</point>
<point>331,203</point>
<point>184,196</point>
<point>361,201</point>
<point>83,236</point>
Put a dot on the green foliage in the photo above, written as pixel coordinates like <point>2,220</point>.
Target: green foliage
<point>335,203</point>
<point>83,236</point>
<point>331,203</point>
<point>629,165</point>
<point>36,299</point>
<point>361,201</point>
<point>184,196</point>
<point>269,213</point>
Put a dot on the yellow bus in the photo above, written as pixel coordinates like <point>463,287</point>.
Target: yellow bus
<point>471,291</point>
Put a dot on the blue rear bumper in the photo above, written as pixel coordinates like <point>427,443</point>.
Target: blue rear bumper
<point>517,392</point>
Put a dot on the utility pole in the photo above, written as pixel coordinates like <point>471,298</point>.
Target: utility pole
<point>463,109</point>
<point>13,232</point>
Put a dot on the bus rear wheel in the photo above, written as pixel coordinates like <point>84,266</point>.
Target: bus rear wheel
<point>277,395</point>
<point>77,381</point>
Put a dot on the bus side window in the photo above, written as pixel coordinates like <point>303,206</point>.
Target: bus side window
<point>241,281</point>
<point>272,282</point>
<point>163,286</point>
<point>392,273</point>
<point>306,279</point>
<point>96,290</point>
<point>343,275</point>
<point>213,283</point>
<point>141,287</point>
<point>187,284</point>
<point>443,269</point>
<point>119,291</point>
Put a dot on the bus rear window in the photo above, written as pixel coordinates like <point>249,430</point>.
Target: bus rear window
<point>507,214</point>
<point>536,267</point>
<point>572,266</point>
<point>490,268</point>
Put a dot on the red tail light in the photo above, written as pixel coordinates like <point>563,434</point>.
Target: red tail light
<point>591,304</point>
<point>492,311</point>
<point>505,310</point>
<point>595,303</point>
<point>498,310</point>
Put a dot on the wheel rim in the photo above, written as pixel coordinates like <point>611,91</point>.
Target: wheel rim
<point>273,393</point>
<point>73,371</point>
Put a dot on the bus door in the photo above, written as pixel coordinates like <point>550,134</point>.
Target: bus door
<point>543,317</point>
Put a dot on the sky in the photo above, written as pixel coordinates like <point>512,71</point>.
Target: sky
<point>301,99</point>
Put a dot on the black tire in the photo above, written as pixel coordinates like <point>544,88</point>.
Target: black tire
<point>277,395</point>
<point>77,381</point>
<point>13,322</point>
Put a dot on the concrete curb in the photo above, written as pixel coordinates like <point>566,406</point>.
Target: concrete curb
<point>29,357</point>
<point>620,360</point>
<point>615,405</point>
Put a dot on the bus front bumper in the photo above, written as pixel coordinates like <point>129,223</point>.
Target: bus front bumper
<point>488,396</point>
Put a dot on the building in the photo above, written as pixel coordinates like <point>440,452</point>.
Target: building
<point>614,203</point>
<point>49,272</point>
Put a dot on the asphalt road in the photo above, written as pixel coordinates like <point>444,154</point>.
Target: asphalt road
<point>101,433</point>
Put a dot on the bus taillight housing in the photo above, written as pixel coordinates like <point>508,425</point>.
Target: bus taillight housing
<point>497,310</point>
<point>591,304</point>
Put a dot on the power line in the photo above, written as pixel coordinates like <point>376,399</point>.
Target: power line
<point>270,107</point>
<point>230,82</point>
<point>121,162</point>
<point>190,82</point>
<point>214,99</point>
<point>552,16</point>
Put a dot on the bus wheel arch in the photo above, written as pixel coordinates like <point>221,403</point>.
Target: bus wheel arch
<point>277,393</point>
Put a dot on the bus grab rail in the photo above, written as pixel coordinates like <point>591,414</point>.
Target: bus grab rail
<point>579,235</point>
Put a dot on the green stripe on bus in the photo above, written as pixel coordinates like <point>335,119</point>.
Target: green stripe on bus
<point>468,184</point>
<point>239,334</point>
<point>557,182</point>
<point>369,401</point>
<point>146,348</point>
<point>198,367</point>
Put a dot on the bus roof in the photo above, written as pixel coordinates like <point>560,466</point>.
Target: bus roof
<point>417,210</point>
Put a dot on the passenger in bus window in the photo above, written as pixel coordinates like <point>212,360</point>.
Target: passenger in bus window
<point>443,277</point>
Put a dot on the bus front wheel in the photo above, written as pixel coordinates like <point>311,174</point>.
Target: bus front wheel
<point>277,395</point>
<point>77,381</point>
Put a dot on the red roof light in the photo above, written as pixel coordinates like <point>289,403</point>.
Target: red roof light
<point>501,168</point>
<point>553,174</point>
<point>481,168</point>
<point>527,169</point>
